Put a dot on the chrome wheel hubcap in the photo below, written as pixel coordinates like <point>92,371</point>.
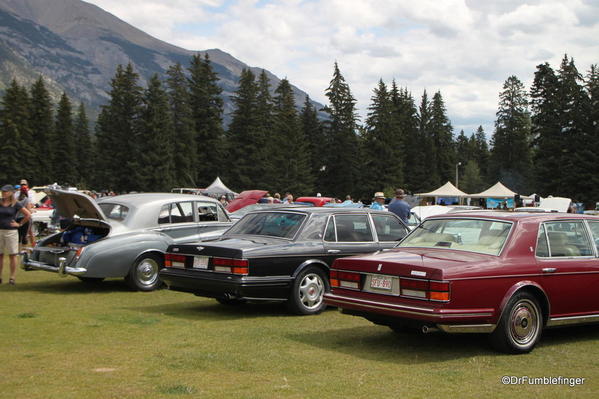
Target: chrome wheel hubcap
<point>524,322</point>
<point>147,271</point>
<point>311,291</point>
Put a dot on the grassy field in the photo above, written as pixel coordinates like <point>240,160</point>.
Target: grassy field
<point>61,338</point>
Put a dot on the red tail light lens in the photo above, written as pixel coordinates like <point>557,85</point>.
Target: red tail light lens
<point>345,279</point>
<point>169,259</point>
<point>425,289</point>
<point>234,266</point>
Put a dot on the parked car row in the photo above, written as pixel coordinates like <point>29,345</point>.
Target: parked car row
<point>509,275</point>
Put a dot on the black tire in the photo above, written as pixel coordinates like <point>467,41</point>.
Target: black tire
<point>520,326</point>
<point>91,280</point>
<point>143,275</point>
<point>307,292</point>
<point>230,301</point>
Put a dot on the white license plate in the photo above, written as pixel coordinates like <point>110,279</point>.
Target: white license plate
<point>180,265</point>
<point>200,262</point>
<point>381,282</point>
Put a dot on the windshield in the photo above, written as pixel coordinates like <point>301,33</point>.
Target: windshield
<point>474,235</point>
<point>114,211</point>
<point>273,224</point>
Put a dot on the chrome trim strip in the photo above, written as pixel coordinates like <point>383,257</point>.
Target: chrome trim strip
<point>31,264</point>
<point>339,301</point>
<point>467,328</point>
<point>565,321</point>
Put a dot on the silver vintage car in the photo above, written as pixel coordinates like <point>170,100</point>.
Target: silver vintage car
<point>124,236</point>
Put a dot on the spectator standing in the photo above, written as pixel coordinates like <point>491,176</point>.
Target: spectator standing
<point>25,227</point>
<point>400,207</point>
<point>223,200</point>
<point>277,199</point>
<point>9,235</point>
<point>379,201</point>
<point>288,199</point>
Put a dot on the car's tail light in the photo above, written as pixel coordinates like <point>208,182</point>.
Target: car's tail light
<point>78,252</point>
<point>228,265</point>
<point>171,260</point>
<point>439,291</point>
<point>342,279</point>
<point>425,289</point>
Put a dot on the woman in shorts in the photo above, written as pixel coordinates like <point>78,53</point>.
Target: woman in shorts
<point>9,235</point>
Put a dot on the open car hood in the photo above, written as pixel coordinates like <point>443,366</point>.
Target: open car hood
<point>72,203</point>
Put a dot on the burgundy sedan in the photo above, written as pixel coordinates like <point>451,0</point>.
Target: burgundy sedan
<point>506,274</point>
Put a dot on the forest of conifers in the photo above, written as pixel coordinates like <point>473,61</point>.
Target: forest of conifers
<point>170,133</point>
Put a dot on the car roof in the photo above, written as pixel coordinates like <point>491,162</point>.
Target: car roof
<point>514,216</point>
<point>155,198</point>
<point>311,209</point>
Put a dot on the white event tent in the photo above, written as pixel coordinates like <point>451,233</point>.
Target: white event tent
<point>447,190</point>
<point>496,191</point>
<point>218,188</point>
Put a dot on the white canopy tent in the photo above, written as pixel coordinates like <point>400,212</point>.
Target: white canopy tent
<point>218,188</point>
<point>496,191</point>
<point>446,190</point>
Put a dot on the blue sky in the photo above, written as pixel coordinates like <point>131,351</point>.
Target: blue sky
<point>464,48</point>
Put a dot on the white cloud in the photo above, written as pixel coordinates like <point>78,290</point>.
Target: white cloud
<point>464,48</point>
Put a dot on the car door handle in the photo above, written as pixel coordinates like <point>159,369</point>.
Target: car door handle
<point>333,251</point>
<point>549,269</point>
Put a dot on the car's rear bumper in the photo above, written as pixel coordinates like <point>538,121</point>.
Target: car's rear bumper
<point>62,269</point>
<point>444,318</point>
<point>223,285</point>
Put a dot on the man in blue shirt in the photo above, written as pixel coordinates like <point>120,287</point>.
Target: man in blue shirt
<point>379,202</point>
<point>400,207</point>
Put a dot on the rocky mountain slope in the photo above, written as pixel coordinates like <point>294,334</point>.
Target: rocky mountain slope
<point>76,46</point>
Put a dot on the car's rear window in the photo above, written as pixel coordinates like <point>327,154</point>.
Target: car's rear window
<point>475,235</point>
<point>114,211</point>
<point>273,224</point>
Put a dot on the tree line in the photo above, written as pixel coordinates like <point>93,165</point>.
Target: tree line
<point>170,133</point>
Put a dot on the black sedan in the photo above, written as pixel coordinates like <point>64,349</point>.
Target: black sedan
<point>279,255</point>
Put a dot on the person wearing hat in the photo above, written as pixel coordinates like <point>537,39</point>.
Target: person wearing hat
<point>9,235</point>
<point>400,207</point>
<point>379,201</point>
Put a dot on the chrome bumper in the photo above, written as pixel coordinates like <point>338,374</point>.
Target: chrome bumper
<point>62,269</point>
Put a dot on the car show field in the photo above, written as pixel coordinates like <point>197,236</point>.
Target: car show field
<point>62,338</point>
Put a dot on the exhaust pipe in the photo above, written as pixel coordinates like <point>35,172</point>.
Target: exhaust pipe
<point>428,329</point>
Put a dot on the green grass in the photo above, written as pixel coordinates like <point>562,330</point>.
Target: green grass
<point>61,338</point>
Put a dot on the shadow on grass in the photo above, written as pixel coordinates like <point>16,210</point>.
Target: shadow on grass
<point>378,343</point>
<point>69,285</point>
<point>210,309</point>
<point>382,344</point>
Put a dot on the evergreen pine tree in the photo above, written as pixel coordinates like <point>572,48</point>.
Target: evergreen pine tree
<point>312,131</point>
<point>266,149</point>
<point>441,133</point>
<point>511,143</point>
<point>64,156</point>
<point>429,174</point>
<point>42,125</point>
<point>578,157</point>
<point>406,118</point>
<point>480,151</point>
<point>184,148</point>
<point>242,144</point>
<point>15,146</point>
<point>341,165</point>
<point>471,180</point>
<point>292,172</point>
<point>546,132</point>
<point>83,149</point>
<point>119,141</point>
<point>382,145</point>
<point>156,132</point>
<point>207,109</point>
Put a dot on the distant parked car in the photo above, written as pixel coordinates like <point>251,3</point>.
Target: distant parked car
<point>280,255</point>
<point>315,201</point>
<point>503,273</point>
<point>124,236</point>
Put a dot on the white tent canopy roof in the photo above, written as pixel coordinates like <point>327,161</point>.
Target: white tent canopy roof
<point>218,188</point>
<point>497,191</point>
<point>446,190</point>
